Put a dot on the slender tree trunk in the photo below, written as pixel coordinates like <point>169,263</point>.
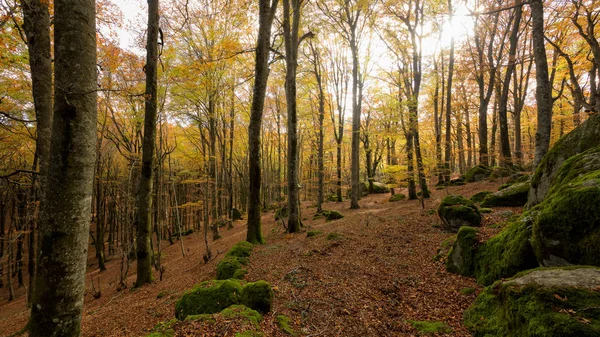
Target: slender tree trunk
<point>355,153</point>
<point>448,148</point>
<point>144,197</point>
<point>543,91</point>
<point>503,105</point>
<point>261,74</point>
<point>291,26</point>
<point>63,236</point>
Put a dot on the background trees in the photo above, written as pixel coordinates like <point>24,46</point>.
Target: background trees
<point>387,73</point>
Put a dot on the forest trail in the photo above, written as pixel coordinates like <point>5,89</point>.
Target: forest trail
<point>371,273</point>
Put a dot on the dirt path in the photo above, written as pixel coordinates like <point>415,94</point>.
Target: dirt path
<point>373,279</point>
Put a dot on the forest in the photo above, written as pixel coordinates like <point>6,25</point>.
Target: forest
<point>299,168</point>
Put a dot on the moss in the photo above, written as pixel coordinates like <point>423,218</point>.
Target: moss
<point>166,333</point>
<point>397,197</point>
<point>283,322</point>
<point>162,294</point>
<point>506,253</point>
<point>512,310</point>
<point>428,327</point>
<point>238,311</point>
<point>332,215</point>
<point>258,296</point>
<point>231,267</point>
<point>444,248</point>
<point>576,166</point>
<point>457,211</point>
<point>468,291</point>
<point>512,196</point>
<point>485,210</point>
<point>312,233</point>
<point>241,249</point>
<point>477,173</point>
<point>334,236</point>
<point>503,186</point>
<point>201,317</point>
<point>332,197</point>
<point>208,297</point>
<point>249,333</point>
<point>567,230</point>
<point>581,139</point>
<point>500,172</point>
<point>479,196</point>
<point>461,258</point>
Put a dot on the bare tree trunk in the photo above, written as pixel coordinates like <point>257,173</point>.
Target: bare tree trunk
<point>448,148</point>
<point>291,26</point>
<point>63,235</point>
<point>261,74</point>
<point>543,91</point>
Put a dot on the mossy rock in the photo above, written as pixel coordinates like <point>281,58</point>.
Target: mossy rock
<point>584,137</point>
<point>378,187</point>
<point>332,198</point>
<point>334,236</point>
<point>457,211</point>
<point>258,296</point>
<point>283,322</point>
<point>457,182</point>
<point>512,196</point>
<point>240,249</point>
<point>231,267</point>
<point>485,210</point>
<point>503,186</point>
<point>567,230</point>
<point>507,253</point>
<point>312,233</point>
<point>208,297</point>
<point>461,258</point>
<point>332,215</point>
<point>479,196</point>
<point>239,311</point>
<point>444,248</point>
<point>549,303</point>
<point>236,214</point>
<point>518,177</point>
<point>428,327</point>
<point>165,333</point>
<point>163,329</point>
<point>477,173</point>
<point>397,197</point>
<point>500,172</point>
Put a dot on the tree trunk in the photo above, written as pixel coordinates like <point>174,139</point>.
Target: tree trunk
<point>63,235</point>
<point>291,26</point>
<point>448,148</point>
<point>144,197</point>
<point>355,152</point>
<point>543,91</point>
<point>261,75</point>
<point>505,154</point>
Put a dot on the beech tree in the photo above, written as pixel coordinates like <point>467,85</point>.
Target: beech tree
<point>144,196</point>
<point>63,236</point>
<point>261,74</point>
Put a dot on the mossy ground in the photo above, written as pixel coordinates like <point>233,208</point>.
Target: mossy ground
<point>334,236</point>
<point>283,322</point>
<point>428,327</point>
<point>397,197</point>
<point>510,310</point>
<point>312,233</point>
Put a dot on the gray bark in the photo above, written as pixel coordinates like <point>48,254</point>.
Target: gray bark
<point>64,225</point>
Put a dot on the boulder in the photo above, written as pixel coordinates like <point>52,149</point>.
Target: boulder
<point>332,215</point>
<point>378,187</point>
<point>461,258</point>
<point>507,253</point>
<point>542,302</point>
<point>479,196</point>
<point>208,297</point>
<point>236,214</point>
<point>397,197</point>
<point>457,211</point>
<point>500,172</point>
<point>477,173</point>
<point>582,138</point>
<point>511,196</point>
<point>567,230</point>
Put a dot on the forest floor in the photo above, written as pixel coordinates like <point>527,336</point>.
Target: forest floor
<point>376,278</point>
